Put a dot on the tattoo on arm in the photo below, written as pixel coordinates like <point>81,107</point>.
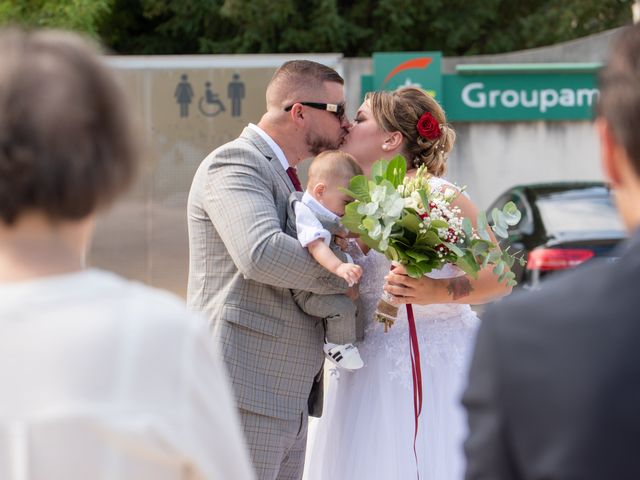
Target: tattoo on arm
<point>459,287</point>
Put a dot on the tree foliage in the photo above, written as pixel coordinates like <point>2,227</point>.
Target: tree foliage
<point>82,15</point>
<point>352,27</point>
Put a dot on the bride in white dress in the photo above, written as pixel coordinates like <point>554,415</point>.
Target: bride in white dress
<point>367,429</point>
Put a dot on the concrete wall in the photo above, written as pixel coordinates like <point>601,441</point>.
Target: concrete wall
<point>491,157</point>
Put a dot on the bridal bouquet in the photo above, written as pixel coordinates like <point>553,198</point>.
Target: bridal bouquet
<point>416,225</point>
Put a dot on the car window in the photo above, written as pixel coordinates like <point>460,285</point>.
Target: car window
<point>584,210</point>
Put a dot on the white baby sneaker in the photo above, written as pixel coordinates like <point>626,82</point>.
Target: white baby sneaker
<point>345,356</point>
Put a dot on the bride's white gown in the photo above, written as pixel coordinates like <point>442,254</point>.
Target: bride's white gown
<point>367,428</point>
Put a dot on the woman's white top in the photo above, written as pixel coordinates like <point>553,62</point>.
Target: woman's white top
<point>102,378</point>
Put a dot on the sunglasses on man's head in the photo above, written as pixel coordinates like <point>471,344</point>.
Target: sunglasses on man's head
<point>336,109</point>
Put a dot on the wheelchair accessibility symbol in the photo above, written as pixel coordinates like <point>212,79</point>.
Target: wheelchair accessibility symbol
<point>210,105</point>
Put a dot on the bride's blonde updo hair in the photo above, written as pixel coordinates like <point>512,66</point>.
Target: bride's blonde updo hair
<point>400,111</point>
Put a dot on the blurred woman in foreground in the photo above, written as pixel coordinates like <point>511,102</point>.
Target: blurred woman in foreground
<point>100,377</point>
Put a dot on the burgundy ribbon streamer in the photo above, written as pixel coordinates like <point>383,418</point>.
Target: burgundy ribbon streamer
<point>416,372</point>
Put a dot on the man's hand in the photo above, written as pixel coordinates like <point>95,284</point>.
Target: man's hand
<point>350,272</point>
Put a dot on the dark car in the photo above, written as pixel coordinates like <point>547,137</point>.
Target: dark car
<point>562,226</point>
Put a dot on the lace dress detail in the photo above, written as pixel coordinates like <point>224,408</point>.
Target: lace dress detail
<point>367,428</point>
<point>442,328</point>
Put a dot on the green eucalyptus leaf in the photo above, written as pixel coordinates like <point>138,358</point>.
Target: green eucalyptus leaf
<point>482,227</point>
<point>454,248</point>
<point>499,218</point>
<point>508,259</point>
<point>511,213</point>
<point>492,257</point>
<point>478,247</point>
<point>467,227</point>
<point>467,267</point>
<point>498,268</point>
<point>500,231</point>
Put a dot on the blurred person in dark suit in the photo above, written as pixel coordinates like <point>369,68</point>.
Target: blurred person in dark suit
<point>554,385</point>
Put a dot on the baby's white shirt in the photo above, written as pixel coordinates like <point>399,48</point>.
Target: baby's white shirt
<point>308,226</point>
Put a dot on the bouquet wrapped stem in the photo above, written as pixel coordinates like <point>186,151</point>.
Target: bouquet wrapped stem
<point>417,226</point>
<point>386,313</point>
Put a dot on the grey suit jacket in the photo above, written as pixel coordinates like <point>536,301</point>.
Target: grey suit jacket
<point>554,386</point>
<point>241,269</point>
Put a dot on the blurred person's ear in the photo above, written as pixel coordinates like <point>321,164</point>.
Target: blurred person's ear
<point>611,154</point>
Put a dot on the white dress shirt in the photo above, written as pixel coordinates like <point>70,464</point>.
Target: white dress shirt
<point>103,378</point>
<point>272,145</point>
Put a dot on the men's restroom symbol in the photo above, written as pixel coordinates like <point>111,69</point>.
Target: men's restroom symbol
<point>183,95</point>
<point>235,91</point>
<point>210,105</point>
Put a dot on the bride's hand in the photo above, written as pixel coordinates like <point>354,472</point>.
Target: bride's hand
<point>405,289</point>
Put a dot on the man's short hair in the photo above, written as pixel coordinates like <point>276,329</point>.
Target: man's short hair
<point>299,77</point>
<point>67,146</point>
<point>619,101</point>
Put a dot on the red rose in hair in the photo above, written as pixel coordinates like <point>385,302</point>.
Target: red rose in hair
<point>428,127</point>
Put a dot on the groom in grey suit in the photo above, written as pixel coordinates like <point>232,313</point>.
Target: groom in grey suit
<point>242,265</point>
<point>554,386</point>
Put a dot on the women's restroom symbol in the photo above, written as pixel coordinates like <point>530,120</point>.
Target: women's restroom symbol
<point>210,105</point>
<point>183,94</point>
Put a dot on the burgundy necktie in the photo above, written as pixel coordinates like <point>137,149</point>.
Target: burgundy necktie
<point>293,175</point>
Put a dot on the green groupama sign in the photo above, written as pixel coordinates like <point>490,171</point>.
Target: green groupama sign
<point>495,92</point>
<point>421,69</point>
